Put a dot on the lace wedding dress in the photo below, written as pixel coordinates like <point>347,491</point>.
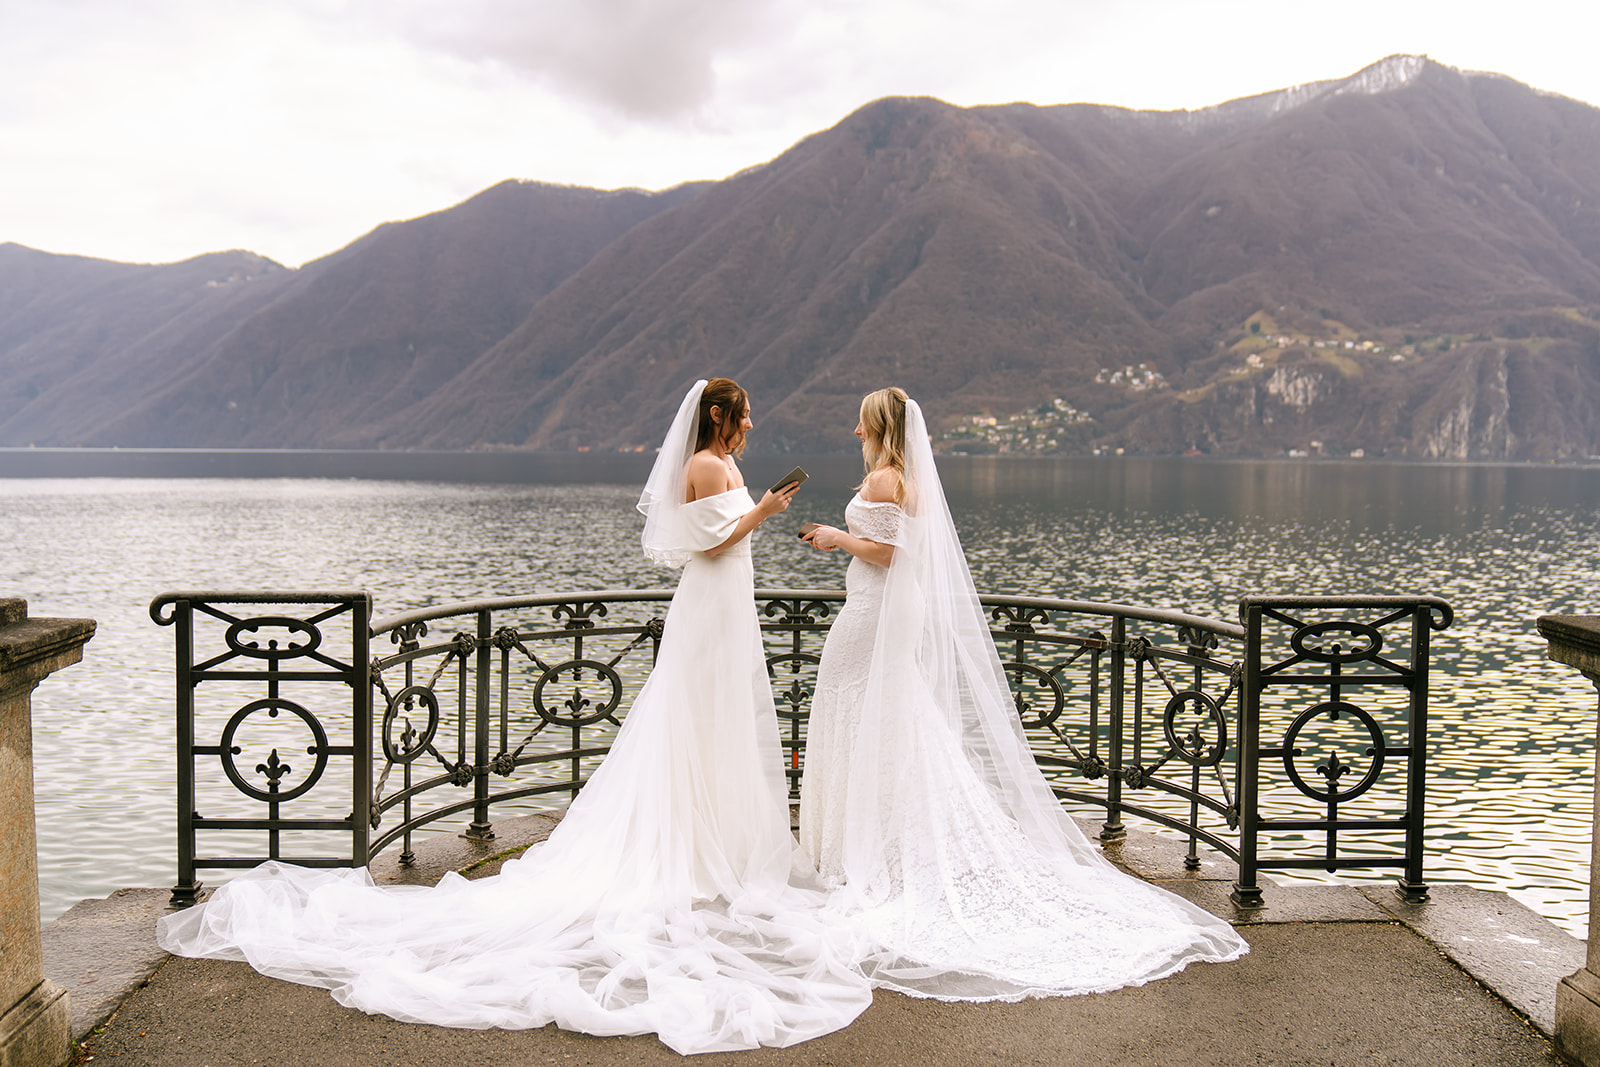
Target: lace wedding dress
<point>671,899</point>
<point>922,805</point>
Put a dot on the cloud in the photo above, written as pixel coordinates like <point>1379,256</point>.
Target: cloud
<point>651,60</point>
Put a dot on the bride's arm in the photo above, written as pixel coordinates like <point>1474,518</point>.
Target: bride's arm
<point>708,477</point>
<point>771,504</point>
<point>829,538</point>
<point>880,488</point>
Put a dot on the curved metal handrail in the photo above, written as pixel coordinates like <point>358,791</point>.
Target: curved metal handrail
<point>1167,616</point>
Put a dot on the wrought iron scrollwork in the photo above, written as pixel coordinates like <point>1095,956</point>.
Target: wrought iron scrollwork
<point>579,614</point>
<point>1333,768</point>
<point>318,643</point>
<point>1121,713</point>
<point>1026,678</point>
<point>580,710</point>
<point>311,637</point>
<point>1020,619</point>
<point>1200,743</point>
<point>408,636</point>
<point>797,612</point>
<point>412,744</point>
<point>1198,639</point>
<point>274,769</point>
<point>1313,642</point>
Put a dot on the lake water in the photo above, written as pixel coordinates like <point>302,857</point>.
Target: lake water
<point>1510,795</point>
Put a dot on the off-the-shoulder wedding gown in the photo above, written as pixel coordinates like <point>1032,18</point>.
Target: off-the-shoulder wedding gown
<point>670,899</point>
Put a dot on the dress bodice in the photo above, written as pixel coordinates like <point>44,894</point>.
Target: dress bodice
<point>710,521</point>
<point>876,521</point>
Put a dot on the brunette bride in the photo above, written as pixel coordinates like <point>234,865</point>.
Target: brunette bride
<point>921,802</point>
<point>663,901</point>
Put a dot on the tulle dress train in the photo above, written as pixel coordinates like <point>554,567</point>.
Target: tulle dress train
<point>671,899</point>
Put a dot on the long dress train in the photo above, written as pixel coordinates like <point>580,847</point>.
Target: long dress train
<point>661,903</point>
<point>922,805</point>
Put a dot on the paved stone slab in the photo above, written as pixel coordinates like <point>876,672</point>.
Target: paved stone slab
<point>438,853</point>
<point>100,951</point>
<point>1161,855</point>
<point>1283,904</point>
<point>1336,994</point>
<point>1507,946</point>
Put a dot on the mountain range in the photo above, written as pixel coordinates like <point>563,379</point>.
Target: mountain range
<point>1405,262</point>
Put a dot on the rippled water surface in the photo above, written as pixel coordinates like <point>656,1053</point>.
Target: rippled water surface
<point>1510,793</point>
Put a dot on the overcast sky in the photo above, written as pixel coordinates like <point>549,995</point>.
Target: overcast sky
<point>154,130</point>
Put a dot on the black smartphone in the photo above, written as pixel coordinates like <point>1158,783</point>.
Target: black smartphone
<point>796,475</point>
<point>808,529</point>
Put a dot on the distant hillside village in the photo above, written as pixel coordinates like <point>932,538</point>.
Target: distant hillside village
<point>1056,427</point>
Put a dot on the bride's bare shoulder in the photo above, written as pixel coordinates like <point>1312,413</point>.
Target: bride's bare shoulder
<point>882,486</point>
<point>708,475</point>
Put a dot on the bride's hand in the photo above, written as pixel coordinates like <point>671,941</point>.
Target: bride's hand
<point>823,537</point>
<point>772,503</point>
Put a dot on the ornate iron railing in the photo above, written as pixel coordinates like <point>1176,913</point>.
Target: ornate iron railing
<point>1137,711</point>
<point>1341,650</point>
<point>228,651</point>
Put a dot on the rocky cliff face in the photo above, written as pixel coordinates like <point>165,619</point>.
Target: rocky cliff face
<point>1404,262</point>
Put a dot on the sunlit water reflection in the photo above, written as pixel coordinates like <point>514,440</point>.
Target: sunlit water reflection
<point>1512,750</point>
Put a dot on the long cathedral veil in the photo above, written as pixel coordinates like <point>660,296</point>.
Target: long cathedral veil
<point>969,879</point>
<point>932,622</point>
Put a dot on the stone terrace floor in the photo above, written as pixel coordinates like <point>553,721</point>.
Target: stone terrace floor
<point>1337,976</point>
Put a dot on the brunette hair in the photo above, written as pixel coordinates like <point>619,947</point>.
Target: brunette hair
<point>883,429</point>
<point>726,394</point>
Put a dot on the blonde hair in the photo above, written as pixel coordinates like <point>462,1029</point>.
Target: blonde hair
<point>883,431</point>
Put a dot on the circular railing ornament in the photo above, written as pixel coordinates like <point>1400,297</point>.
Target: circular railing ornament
<point>1334,769</point>
<point>289,649</point>
<point>1039,681</point>
<point>412,744</point>
<point>1199,742</point>
<point>274,768</point>
<point>575,706</point>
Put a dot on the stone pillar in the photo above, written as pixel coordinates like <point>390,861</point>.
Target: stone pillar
<point>1575,641</point>
<point>35,1029</point>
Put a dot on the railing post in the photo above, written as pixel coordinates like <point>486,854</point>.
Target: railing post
<point>1114,831</point>
<point>1411,887</point>
<point>35,1025</point>
<point>1246,891</point>
<point>1575,641</point>
<point>481,828</point>
<point>188,887</point>
<point>361,732</point>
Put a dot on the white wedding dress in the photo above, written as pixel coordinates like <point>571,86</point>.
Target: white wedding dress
<point>922,806</point>
<point>661,903</point>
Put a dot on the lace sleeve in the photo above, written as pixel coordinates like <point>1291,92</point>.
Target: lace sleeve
<point>878,522</point>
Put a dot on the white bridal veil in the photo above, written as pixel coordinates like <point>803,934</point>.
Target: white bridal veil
<point>666,538</point>
<point>960,866</point>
